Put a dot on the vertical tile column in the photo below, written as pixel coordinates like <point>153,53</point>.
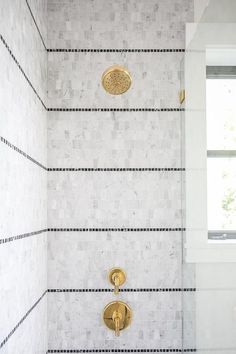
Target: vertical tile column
<point>23,179</point>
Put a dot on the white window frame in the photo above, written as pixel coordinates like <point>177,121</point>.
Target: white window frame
<point>198,247</point>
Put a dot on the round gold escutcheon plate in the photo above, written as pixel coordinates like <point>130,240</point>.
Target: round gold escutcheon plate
<point>120,273</point>
<point>116,80</point>
<point>119,309</point>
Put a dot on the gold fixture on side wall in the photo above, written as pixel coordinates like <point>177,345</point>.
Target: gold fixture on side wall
<point>117,278</point>
<point>181,96</point>
<point>117,316</point>
<point>116,80</point>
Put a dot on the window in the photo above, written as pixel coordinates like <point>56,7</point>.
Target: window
<point>221,152</point>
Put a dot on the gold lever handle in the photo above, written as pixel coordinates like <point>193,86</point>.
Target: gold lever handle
<point>117,317</point>
<point>116,280</point>
<point>117,277</point>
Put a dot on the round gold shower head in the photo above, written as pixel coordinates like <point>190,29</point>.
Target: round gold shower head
<point>116,80</point>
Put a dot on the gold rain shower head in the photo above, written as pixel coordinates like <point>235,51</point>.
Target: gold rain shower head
<point>116,80</point>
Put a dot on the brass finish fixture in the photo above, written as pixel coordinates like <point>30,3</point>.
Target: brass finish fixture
<point>117,316</point>
<point>116,80</point>
<point>117,278</point>
<point>182,96</point>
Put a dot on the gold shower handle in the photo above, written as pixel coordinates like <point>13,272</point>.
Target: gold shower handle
<point>117,317</point>
<point>117,277</point>
<point>116,280</point>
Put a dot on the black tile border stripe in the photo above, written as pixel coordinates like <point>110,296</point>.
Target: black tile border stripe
<point>34,233</point>
<point>164,350</point>
<point>77,109</point>
<point>127,290</point>
<point>117,169</point>
<point>5,141</point>
<point>22,320</point>
<point>36,25</point>
<point>116,50</point>
<point>116,229</point>
<point>91,169</point>
<point>20,237</point>
<point>22,71</point>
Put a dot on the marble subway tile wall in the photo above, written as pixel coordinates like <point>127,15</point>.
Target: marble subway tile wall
<point>145,256</point>
<point>23,179</point>
<point>156,319</point>
<point>114,179</point>
<point>75,80</point>
<point>114,199</point>
<point>118,24</point>
<point>114,139</point>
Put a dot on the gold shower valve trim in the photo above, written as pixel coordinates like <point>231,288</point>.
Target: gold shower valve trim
<point>117,316</point>
<point>116,80</point>
<point>117,278</point>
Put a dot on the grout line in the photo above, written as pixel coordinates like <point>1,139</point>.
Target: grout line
<point>76,109</point>
<point>20,237</point>
<point>22,320</point>
<point>163,350</point>
<point>36,25</point>
<point>22,71</point>
<point>125,290</point>
<point>22,153</point>
<point>121,229</point>
<point>117,50</point>
<point>117,169</point>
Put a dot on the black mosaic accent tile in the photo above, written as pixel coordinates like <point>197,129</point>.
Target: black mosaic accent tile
<point>121,50</point>
<point>21,70</point>
<point>131,290</point>
<point>19,237</point>
<point>76,109</point>
<point>116,229</point>
<point>34,233</point>
<point>22,320</point>
<point>118,169</point>
<point>191,350</point>
<point>36,25</point>
<point>22,153</point>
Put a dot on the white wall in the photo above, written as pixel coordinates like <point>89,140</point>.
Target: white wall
<point>23,151</point>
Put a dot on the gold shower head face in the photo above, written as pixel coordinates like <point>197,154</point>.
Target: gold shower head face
<point>116,80</point>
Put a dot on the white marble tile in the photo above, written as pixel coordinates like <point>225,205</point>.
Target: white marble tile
<point>114,139</point>
<point>83,260</point>
<point>75,321</point>
<point>23,341</point>
<point>23,274</point>
<point>40,13</point>
<point>19,31</point>
<point>189,319</point>
<point>23,118</point>
<point>23,190</point>
<point>74,80</point>
<point>114,199</point>
<point>118,24</point>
